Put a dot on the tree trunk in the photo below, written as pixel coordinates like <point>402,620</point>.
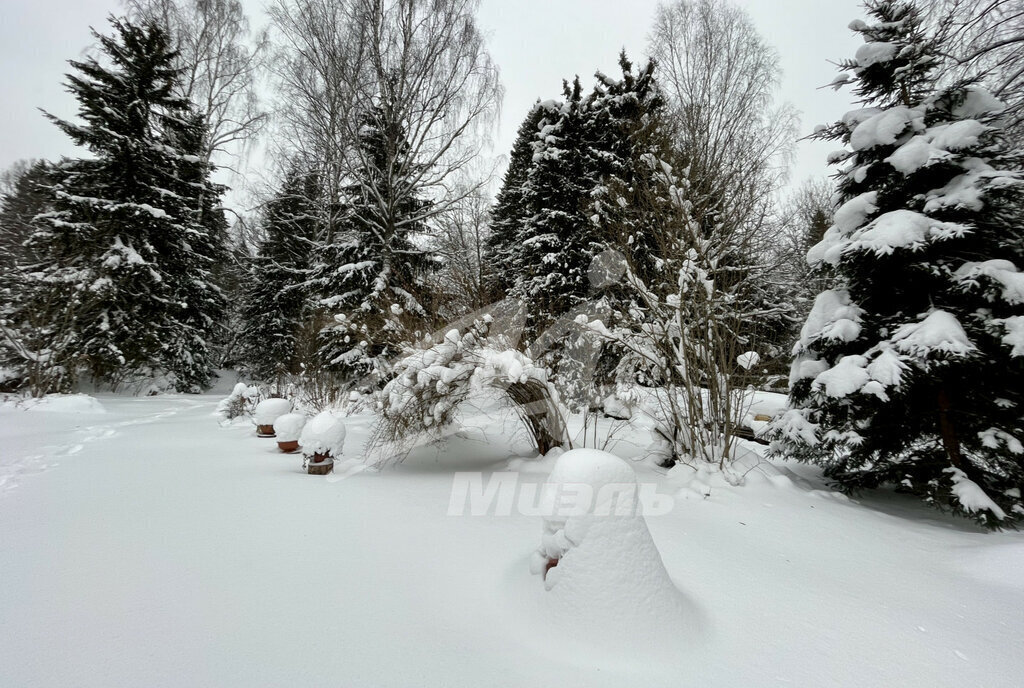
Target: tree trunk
<point>950,442</point>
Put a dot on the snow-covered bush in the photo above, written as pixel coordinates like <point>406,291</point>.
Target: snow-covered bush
<point>269,410</point>
<point>597,558</point>
<point>289,426</point>
<point>324,434</point>
<point>240,402</point>
<point>685,346</point>
<point>430,384</point>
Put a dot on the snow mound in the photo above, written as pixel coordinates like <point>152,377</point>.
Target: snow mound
<point>324,434</point>
<point>602,571</point>
<point>269,410</point>
<point>289,426</point>
<point>616,408</point>
<point>67,403</point>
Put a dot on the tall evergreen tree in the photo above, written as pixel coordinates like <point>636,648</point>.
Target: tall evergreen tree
<point>27,199</point>
<point>910,370</point>
<point>275,302</point>
<point>557,242</point>
<point>511,211</point>
<point>126,259</point>
<point>630,158</point>
<point>370,271</point>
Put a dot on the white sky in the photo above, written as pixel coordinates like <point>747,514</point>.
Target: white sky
<point>536,43</point>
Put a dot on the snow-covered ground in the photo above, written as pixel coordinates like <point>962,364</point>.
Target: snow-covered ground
<point>145,545</point>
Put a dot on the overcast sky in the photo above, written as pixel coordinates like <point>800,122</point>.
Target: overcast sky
<point>536,43</point>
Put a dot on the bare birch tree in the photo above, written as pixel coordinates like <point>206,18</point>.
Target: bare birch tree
<point>984,39</point>
<point>220,57</point>
<point>318,64</point>
<point>423,64</point>
<point>720,79</point>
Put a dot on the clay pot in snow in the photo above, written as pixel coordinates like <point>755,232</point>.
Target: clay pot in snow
<point>268,411</point>
<point>323,438</point>
<point>289,447</point>
<point>319,464</point>
<point>288,428</point>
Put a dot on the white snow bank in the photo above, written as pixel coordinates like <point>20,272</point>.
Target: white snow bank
<point>269,410</point>
<point>289,426</point>
<point>602,571</point>
<point>65,403</point>
<point>324,434</point>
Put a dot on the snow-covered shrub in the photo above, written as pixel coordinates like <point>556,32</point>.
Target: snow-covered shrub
<point>685,347</point>
<point>324,434</point>
<point>430,384</point>
<point>597,558</point>
<point>239,403</point>
<point>289,426</point>
<point>269,410</point>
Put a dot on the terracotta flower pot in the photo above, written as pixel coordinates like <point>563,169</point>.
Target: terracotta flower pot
<point>552,563</point>
<point>265,431</point>
<point>289,446</point>
<point>320,464</point>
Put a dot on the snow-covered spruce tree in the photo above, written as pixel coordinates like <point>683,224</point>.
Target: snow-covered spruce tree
<point>207,246</point>
<point>26,197</point>
<point>910,370</point>
<point>275,303</point>
<point>629,149</point>
<point>557,241</point>
<point>124,269</point>
<point>370,271</point>
<point>510,211</point>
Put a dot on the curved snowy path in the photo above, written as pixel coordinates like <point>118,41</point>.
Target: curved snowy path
<point>164,550</point>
